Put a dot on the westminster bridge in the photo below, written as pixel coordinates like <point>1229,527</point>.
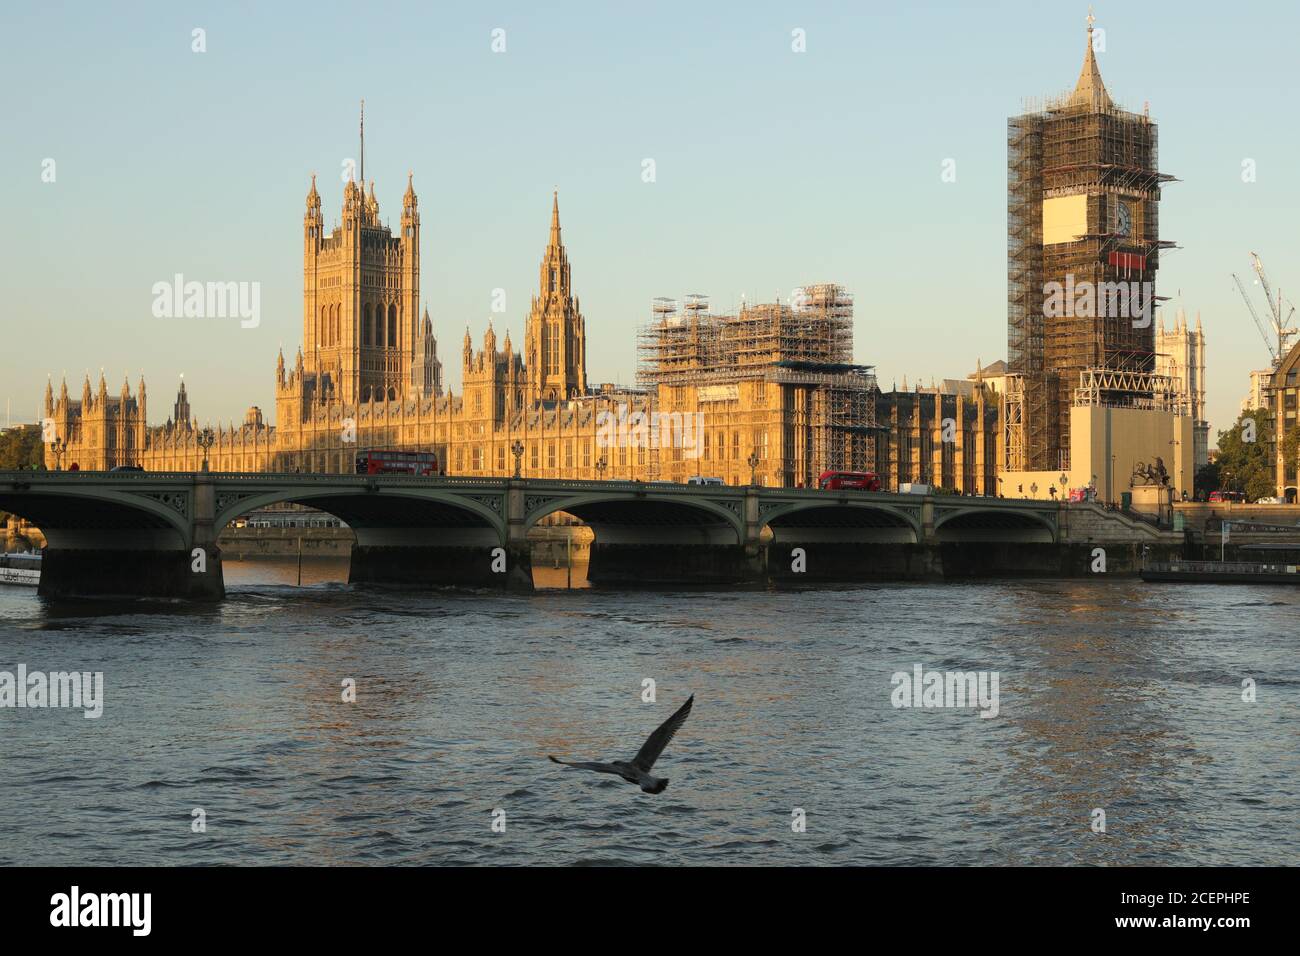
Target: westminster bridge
<point>155,533</point>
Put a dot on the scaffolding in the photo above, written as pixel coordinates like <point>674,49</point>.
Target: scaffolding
<point>803,347</point>
<point>1125,388</point>
<point>1080,147</point>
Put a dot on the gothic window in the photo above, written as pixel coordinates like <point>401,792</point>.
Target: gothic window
<point>553,348</point>
<point>392,325</point>
<point>392,394</point>
<point>552,280</point>
<point>368,326</point>
<point>320,329</point>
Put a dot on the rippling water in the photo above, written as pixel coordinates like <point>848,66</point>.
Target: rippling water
<point>1114,695</point>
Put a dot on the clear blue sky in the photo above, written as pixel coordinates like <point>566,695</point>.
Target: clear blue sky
<point>773,168</point>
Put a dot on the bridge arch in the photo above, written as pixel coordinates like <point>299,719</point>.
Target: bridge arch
<point>1025,525</point>
<point>380,514</point>
<point>81,516</point>
<point>638,517</point>
<point>843,520</point>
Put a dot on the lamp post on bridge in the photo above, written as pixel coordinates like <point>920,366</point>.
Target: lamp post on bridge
<point>517,449</point>
<point>601,465</point>
<point>58,446</point>
<point>206,440</point>
<point>752,462</point>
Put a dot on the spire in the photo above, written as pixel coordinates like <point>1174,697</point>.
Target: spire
<point>555,217</point>
<point>362,174</point>
<point>313,197</point>
<point>1090,91</point>
<point>409,197</point>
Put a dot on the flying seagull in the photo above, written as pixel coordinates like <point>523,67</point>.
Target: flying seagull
<point>638,769</point>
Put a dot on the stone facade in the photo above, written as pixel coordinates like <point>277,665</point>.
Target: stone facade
<point>943,436</point>
<point>368,376</point>
<point>1180,354</point>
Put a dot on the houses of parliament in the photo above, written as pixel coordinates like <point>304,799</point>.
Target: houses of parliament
<point>773,387</point>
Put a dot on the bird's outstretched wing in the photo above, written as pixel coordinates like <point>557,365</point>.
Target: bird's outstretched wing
<point>588,765</point>
<point>654,746</point>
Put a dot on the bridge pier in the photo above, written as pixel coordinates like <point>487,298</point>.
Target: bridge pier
<point>669,564</point>
<point>124,547</point>
<point>108,572</point>
<point>823,562</point>
<point>421,567</point>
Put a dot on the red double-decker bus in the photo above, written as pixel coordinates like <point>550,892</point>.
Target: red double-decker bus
<point>850,480</point>
<point>383,461</point>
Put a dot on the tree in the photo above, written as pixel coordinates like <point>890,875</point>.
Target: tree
<point>1244,462</point>
<point>21,448</point>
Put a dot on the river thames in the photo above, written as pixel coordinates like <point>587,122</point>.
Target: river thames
<point>1115,698</point>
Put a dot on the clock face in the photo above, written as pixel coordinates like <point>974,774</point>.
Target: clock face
<point>1123,219</point>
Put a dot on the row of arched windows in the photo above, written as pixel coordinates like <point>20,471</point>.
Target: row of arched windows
<point>328,333</point>
<point>378,329</point>
<point>378,326</point>
<point>376,393</point>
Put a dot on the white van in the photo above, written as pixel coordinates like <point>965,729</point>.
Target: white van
<point>701,480</point>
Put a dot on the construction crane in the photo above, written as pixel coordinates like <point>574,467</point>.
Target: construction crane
<point>1279,326</point>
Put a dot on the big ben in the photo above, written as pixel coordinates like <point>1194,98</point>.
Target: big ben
<point>1083,197</point>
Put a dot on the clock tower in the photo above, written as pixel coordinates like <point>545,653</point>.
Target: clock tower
<point>1083,249</point>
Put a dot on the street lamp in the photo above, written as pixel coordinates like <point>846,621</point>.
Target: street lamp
<point>206,439</point>
<point>752,461</point>
<point>517,449</point>
<point>1110,482</point>
<point>601,465</point>
<point>58,446</point>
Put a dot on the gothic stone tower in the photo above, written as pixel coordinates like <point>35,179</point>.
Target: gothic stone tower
<point>360,300</point>
<point>1083,191</point>
<point>555,343</point>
